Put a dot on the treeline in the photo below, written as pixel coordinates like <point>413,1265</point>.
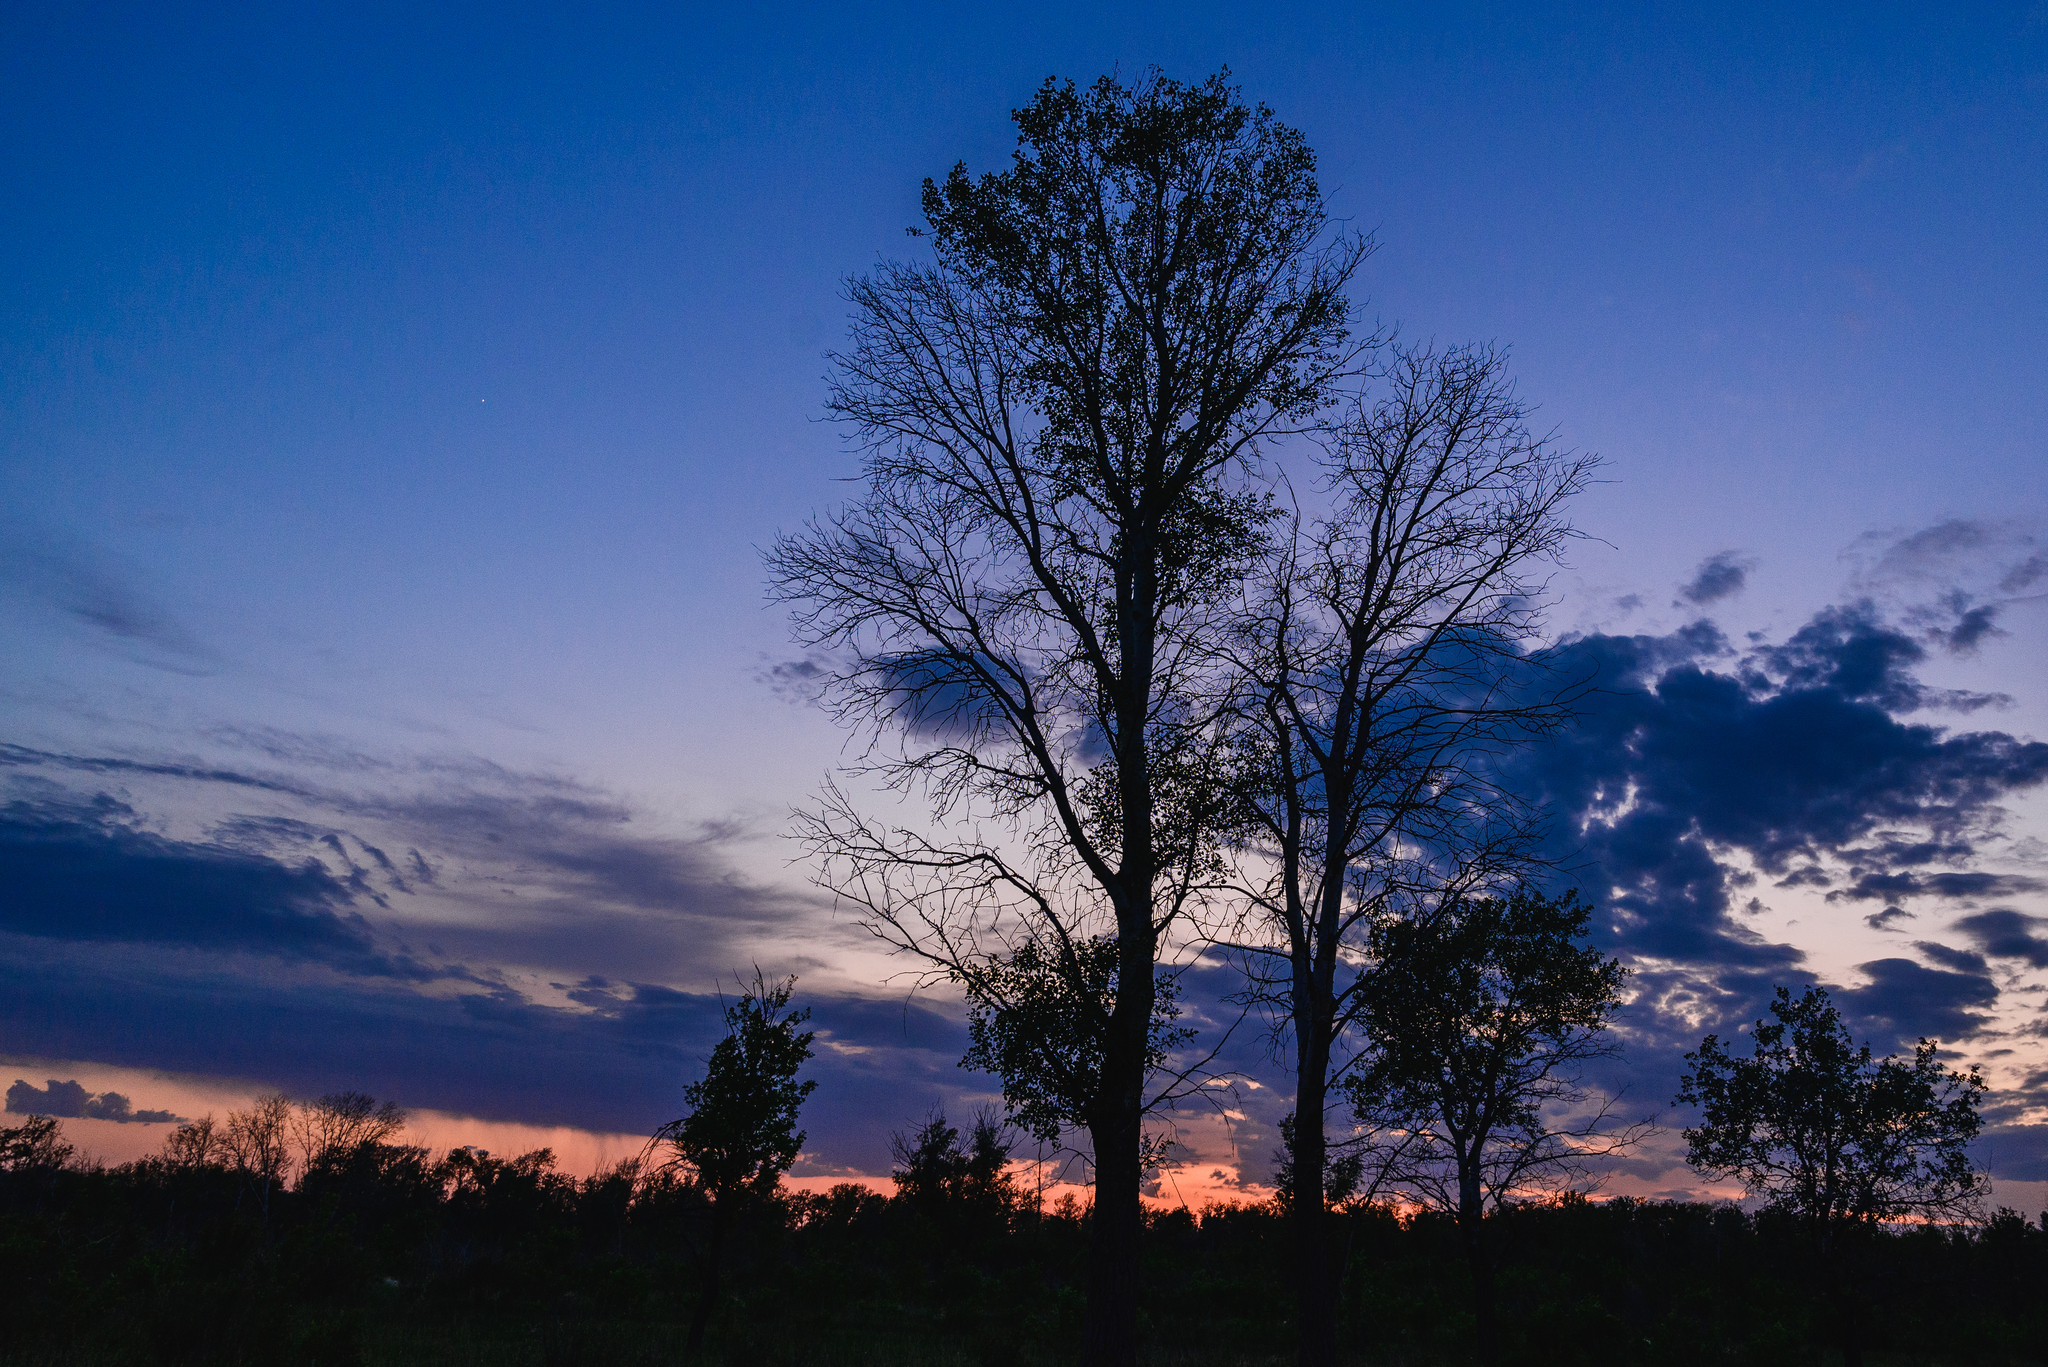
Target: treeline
<point>313,1234</point>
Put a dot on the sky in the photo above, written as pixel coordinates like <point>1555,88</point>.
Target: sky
<point>396,402</point>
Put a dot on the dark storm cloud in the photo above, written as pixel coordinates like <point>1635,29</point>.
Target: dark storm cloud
<point>2003,933</point>
<point>1720,576</point>
<point>88,873</point>
<point>1791,754</point>
<point>617,1062</point>
<point>1905,1001</point>
<point>69,1100</point>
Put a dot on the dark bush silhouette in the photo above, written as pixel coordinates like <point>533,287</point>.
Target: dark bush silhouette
<point>384,1253</point>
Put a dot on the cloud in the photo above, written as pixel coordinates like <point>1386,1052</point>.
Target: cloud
<point>937,697</point>
<point>246,950</point>
<point>2003,933</point>
<point>1948,554</point>
<point>89,873</point>
<point>1790,756</point>
<point>1718,576</point>
<point>800,680</point>
<point>89,589</point>
<point>70,1101</point>
<point>1952,886</point>
<point>615,1060</point>
<point>508,867</point>
<point>1959,960</point>
<point>1904,1002</point>
<point>1850,652</point>
<point>1973,626</point>
<point>21,756</point>
<point>2029,572</point>
<point>1697,769</point>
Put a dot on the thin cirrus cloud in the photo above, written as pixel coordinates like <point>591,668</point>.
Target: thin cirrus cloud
<point>92,590</point>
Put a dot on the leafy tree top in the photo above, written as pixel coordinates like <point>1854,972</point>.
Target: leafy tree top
<point>740,1135</point>
<point>1813,1124</point>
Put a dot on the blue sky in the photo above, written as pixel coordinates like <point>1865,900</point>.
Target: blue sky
<point>395,403</point>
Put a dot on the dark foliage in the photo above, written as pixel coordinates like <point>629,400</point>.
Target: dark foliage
<point>385,1254</point>
<point>740,1134</point>
<point>1835,1140</point>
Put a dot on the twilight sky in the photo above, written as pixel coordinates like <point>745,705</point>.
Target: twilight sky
<point>394,405</point>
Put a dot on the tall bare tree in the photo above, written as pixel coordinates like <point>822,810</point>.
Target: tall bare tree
<point>258,1146</point>
<point>1386,652</point>
<point>1058,416</point>
<point>342,1122</point>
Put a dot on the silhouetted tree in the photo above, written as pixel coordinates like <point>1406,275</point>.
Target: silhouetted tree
<point>1058,415</point>
<point>961,1194</point>
<point>1034,1021</point>
<point>341,1121</point>
<point>1481,1015</point>
<point>194,1144</point>
<point>1383,644</point>
<point>1817,1127</point>
<point>740,1134</point>
<point>36,1145</point>
<point>257,1143</point>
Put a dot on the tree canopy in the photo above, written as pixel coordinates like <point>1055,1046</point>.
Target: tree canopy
<point>740,1133</point>
<point>1813,1124</point>
<point>1059,414</point>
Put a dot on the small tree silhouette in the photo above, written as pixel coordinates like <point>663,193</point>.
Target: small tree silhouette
<point>36,1145</point>
<point>1483,1016</point>
<point>1815,1126</point>
<point>962,1193</point>
<point>740,1135</point>
<point>258,1147</point>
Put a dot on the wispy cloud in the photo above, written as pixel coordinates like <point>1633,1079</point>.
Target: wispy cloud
<point>93,590</point>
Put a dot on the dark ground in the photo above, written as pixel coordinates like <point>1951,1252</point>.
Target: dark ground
<point>383,1257</point>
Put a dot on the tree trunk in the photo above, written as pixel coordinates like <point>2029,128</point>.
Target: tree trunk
<point>1109,1330</point>
<point>714,1262</point>
<point>1471,1216</point>
<point>1318,1278</point>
